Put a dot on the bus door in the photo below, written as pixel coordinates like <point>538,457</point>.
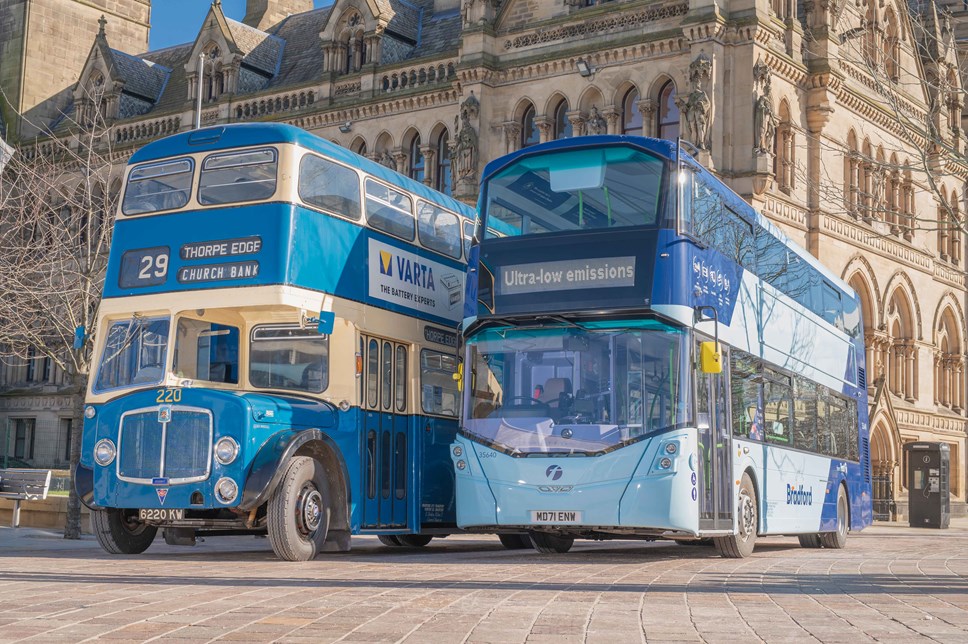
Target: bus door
<point>715,451</point>
<point>385,433</point>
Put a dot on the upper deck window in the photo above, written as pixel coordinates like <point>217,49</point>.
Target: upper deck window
<point>237,177</point>
<point>577,190</point>
<point>439,229</point>
<point>389,210</point>
<point>157,187</point>
<point>329,186</point>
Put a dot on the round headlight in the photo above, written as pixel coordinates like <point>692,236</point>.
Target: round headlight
<point>458,451</point>
<point>226,490</point>
<point>226,449</point>
<point>89,412</point>
<point>665,463</point>
<point>461,465</point>
<point>671,448</point>
<point>104,452</point>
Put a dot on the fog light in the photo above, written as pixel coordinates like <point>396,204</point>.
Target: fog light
<point>461,465</point>
<point>671,448</point>
<point>89,412</point>
<point>665,463</point>
<point>458,451</point>
<point>226,449</point>
<point>104,452</point>
<point>226,490</point>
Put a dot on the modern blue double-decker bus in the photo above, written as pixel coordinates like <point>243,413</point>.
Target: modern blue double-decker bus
<point>276,348</point>
<point>645,356</point>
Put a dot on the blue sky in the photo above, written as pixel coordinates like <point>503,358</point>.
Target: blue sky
<point>174,22</point>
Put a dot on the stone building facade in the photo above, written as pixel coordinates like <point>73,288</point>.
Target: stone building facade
<point>840,121</point>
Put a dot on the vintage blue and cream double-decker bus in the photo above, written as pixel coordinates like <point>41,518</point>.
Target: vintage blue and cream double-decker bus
<point>646,356</point>
<point>276,348</point>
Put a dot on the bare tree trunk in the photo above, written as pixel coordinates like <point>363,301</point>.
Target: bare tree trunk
<point>72,528</point>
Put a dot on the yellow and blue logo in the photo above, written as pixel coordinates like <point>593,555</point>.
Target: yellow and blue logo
<point>386,263</point>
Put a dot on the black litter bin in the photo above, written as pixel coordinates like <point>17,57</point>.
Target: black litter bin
<point>929,501</point>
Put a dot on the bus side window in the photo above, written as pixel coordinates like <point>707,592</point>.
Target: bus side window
<point>438,229</point>
<point>805,418</point>
<point>329,186</point>
<point>745,394</point>
<point>706,211</point>
<point>777,408</point>
<point>832,310</point>
<point>389,210</point>
<point>438,390</point>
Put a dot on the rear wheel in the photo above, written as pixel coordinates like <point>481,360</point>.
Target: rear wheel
<point>809,540</point>
<point>389,540</point>
<point>299,511</point>
<point>515,541</point>
<point>120,533</point>
<point>414,540</point>
<point>550,544</point>
<point>838,538</point>
<point>740,545</point>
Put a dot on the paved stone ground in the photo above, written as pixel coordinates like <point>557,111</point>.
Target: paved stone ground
<point>892,584</point>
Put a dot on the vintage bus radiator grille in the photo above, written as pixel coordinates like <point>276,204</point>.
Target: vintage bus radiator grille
<point>165,443</point>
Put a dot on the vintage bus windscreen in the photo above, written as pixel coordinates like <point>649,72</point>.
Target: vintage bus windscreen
<point>606,187</point>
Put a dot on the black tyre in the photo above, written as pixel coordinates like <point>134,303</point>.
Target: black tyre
<point>414,540</point>
<point>740,545</point>
<point>809,540</point>
<point>299,511</point>
<point>120,533</point>
<point>515,541</point>
<point>389,540</point>
<point>694,542</point>
<point>550,544</point>
<point>838,538</point>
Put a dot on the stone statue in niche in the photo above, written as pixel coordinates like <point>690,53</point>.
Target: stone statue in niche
<point>386,160</point>
<point>466,145</point>
<point>764,117</point>
<point>596,124</point>
<point>697,107</point>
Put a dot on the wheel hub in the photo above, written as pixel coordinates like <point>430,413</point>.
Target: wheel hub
<point>747,517</point>
<point>309,510</point>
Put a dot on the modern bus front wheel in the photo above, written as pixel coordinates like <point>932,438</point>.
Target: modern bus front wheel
<point>299,511</point>
<point>809,540</point>
<point>740,545</point>
<point>550,544</point>
<point>120,533</point>
<point>515,541</point>
<point>838,538</point>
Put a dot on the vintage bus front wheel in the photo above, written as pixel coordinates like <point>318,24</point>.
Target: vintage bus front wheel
<point>120,533</point>
<point>298,514</point>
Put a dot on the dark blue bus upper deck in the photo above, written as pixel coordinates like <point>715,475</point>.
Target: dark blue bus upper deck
<point>314,229</point>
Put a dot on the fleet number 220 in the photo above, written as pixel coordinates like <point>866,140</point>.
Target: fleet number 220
<point>168,396</point>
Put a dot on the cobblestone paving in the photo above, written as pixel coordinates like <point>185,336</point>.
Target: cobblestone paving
<point>891,584</point>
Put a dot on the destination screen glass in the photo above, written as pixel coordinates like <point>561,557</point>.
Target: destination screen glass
<point>574,190</point>
<point>569,390</point>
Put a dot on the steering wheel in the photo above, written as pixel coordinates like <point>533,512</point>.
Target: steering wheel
<point>511,403</point>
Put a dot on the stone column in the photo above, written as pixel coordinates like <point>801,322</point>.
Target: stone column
<point>649,108</point>
<point>613,117</point>
<point>910,385</point>
<point>400,158</point>
<point>512,136</point>
<point>430,164</point>
<point>546,127</point>
<point>577,121</point>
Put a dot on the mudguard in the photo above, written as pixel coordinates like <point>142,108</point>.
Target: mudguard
<point>84,486</point>
<point>267,467</point>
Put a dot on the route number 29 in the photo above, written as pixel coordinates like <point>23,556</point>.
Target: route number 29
<point>168,396</point>
<point>153,266</point>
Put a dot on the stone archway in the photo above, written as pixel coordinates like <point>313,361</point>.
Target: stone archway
<point>884,470</point>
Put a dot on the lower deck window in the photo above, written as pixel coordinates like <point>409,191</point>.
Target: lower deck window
<point>289,358</point>
<point>438,390</point>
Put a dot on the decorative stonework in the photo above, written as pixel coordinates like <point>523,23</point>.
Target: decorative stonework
<point>347,89</point>
<point>696,108</point>
<point>764,116</point>
<point>465,149</point>
<point>597,27</point>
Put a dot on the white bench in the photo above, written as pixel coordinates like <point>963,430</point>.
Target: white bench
<point>23,485</point>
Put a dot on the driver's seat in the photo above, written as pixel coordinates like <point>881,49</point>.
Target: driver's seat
<point>553,388</point>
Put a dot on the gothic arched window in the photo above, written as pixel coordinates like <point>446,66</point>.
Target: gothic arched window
<point>631,116</point>
<point>563,127</point>
<point>529,130</point>
<point>668,127</point>
<point>443,182</point>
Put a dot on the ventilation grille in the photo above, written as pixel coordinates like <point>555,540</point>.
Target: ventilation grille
<point>865,455</point>
<point>862,377</point>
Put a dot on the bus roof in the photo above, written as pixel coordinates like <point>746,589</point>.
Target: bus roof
<point>251,134</point>
<point>667,150</point>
